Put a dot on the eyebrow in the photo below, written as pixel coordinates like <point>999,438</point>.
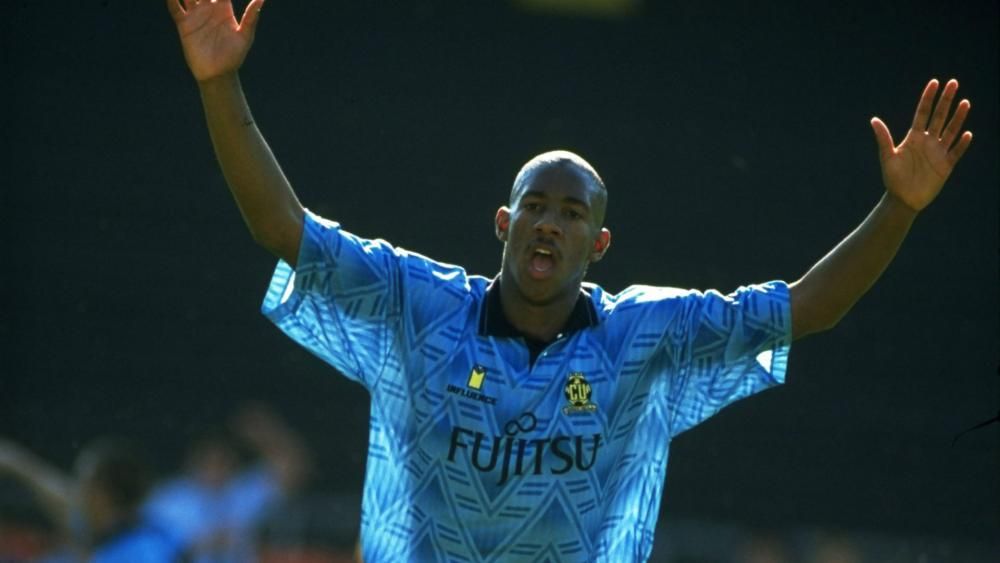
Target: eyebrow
<point>567,199</point>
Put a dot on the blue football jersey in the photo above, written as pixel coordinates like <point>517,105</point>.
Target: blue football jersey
<point>476,453</point>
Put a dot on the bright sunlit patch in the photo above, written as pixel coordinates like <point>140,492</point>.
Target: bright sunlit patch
<point>764,359</point>
<point>446,276</point>
<point>289,287</point>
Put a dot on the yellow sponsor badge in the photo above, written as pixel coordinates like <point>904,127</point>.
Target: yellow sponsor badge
<point>476,377</point>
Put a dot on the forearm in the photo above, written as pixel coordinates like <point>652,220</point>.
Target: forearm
<point>834,284</point>
<point>278,445</point>
<point>264,196</point>
<point>51,485</point>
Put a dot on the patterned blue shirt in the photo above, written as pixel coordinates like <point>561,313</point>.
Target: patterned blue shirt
<point>478,454</point>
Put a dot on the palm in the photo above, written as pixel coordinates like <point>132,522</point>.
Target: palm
<point>214,42</point>
<point>915,171</point>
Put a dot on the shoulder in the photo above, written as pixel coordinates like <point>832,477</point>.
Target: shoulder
<point>341,244</point>
<point>639,311</point>
<point>420,268</point>
<point>645,296</point>
<point>638,297</point>
<point>433,291</point>
<point>333,258</point>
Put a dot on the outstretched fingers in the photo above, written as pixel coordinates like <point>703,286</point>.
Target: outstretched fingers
<point>175,9</point>
<point>179,8</point>
<point>924,106</point>
<point>942,108</point>
<point>955,125</point>
<point>883,138</point>
<point>960,147</point>
<point>248,23</point>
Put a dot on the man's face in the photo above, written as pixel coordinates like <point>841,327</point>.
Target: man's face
<point>552,233</point>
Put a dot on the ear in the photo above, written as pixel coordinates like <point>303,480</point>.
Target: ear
<point>601,245</point>
<point>502,222</point>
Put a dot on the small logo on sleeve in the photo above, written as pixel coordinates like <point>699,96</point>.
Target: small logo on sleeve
<point>578,393</point>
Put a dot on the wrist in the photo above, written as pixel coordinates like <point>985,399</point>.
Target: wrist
<point>895,206</point>
<point>220,82</point>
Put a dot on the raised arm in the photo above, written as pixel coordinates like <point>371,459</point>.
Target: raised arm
<point>913,173</point>
<point>279,446</point>
<point>215,45</point>
<point>53,487</point>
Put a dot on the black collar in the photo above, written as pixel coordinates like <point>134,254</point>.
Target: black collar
<point>492,321</point>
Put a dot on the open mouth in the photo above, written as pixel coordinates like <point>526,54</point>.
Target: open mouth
<point>542,262</point>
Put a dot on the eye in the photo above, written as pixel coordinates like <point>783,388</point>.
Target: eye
<point>572,214</point>
<point>531,206</point>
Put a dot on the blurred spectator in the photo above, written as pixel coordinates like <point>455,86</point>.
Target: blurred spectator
<point>27,531</point>
<point>311,529</point>
<point>212,509</point>
<point>99,507</point>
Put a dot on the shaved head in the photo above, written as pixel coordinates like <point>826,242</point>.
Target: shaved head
<point>564,162</point>
<point>552,231</point>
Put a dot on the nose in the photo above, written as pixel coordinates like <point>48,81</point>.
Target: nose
<point>548,224</point>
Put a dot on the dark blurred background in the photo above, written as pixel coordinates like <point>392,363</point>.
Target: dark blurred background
<point>735,143</point>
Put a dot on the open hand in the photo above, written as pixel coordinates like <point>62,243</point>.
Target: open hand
<point>915,171</point>
<point>214,43</point>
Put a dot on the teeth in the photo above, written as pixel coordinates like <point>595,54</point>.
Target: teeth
<point>543,251</point>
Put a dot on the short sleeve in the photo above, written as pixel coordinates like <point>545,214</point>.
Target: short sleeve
<point>341,302</point>
<point>728,347</point>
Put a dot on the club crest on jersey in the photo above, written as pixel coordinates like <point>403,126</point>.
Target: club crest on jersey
<point>578,393</point>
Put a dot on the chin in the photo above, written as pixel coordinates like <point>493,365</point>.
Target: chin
<point>540,293</point>
<point>539,299</point>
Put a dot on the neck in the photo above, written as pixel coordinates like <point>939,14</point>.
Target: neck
<point>540,321</point>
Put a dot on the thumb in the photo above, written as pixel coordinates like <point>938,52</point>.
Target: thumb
<point>883,138</point>
<point>248,23</point>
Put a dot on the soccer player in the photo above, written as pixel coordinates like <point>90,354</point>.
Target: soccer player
<point>528,417</point>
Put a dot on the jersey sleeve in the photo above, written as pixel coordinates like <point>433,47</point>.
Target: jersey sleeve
<point>341,302</point>
<point>728,347</point>
<point>364,306</point>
